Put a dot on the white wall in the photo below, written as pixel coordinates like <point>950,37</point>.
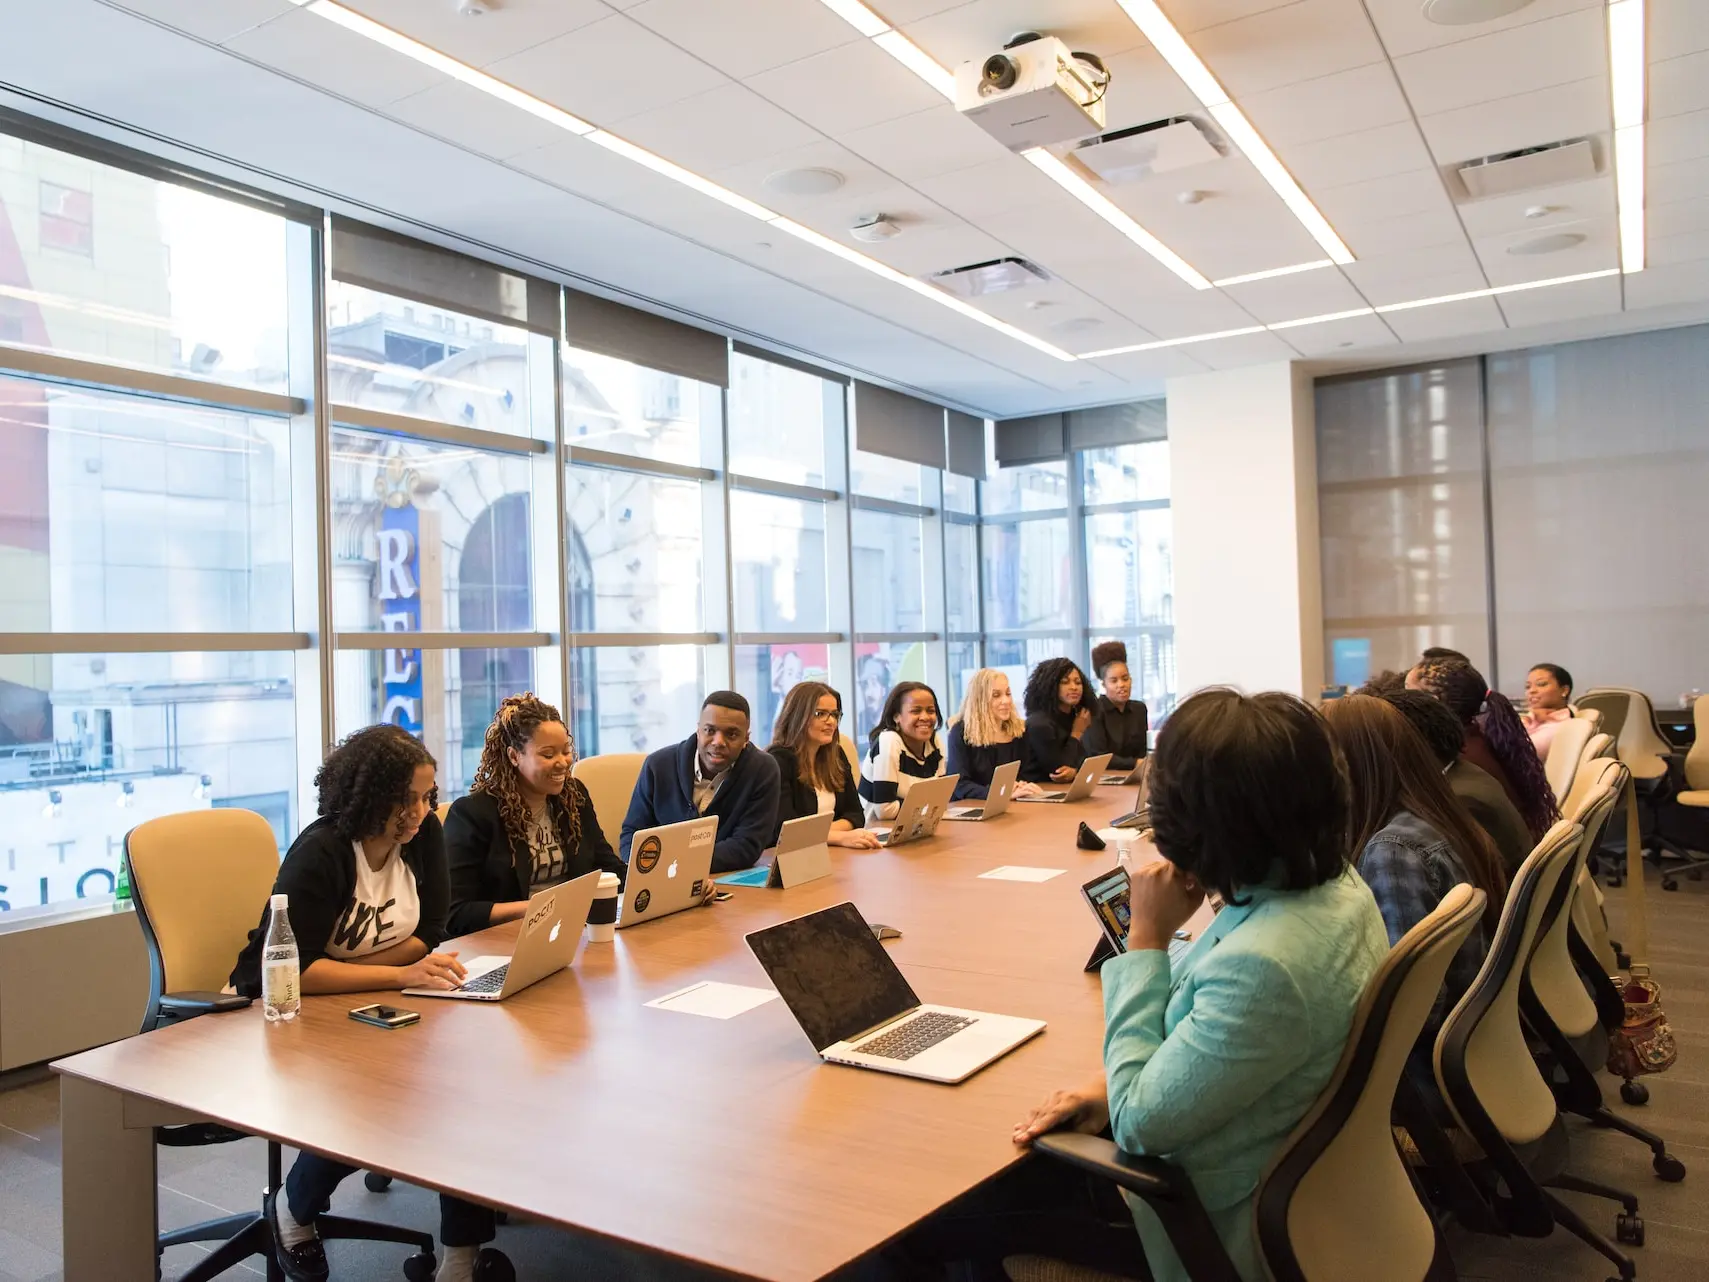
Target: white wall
<point>1243,490</point>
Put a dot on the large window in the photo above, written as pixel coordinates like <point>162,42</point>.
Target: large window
<point>1128,565</point>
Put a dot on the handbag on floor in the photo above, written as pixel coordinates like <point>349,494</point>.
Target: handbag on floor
<point>1644,1041</point>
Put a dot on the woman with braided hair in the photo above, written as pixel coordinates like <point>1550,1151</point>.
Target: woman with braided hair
<point>526,823</point>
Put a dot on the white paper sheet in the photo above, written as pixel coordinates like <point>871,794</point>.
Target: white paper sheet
<point>1019,872</point>
<point>714,1000</point>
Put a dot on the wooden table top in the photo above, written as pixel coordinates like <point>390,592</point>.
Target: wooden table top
<point>726,1142</point>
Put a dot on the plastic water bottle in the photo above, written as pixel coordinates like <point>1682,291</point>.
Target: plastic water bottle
<point>280,982</point>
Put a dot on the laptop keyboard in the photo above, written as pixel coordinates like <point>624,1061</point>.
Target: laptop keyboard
<point>921,1033</point>
<point>491,982</point>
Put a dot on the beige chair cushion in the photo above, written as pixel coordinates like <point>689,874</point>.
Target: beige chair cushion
<point>1697,760</point>
<point>1565,752</point>
<point>852,754</point>
<point>610,782</point>
<point>1699,797</point>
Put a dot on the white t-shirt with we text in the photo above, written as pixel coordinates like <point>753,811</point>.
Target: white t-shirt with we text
<point>384,909</point>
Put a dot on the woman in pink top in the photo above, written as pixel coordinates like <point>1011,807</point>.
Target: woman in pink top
<point>1548,686</point>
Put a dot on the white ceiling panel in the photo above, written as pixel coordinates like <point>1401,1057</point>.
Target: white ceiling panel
<point>1598,251</point>
<point>933,240</point>
<point>1679,85</point>
<point>1143,89</point>
<point>938,140</point>
<point>1570,203</point>
<point>902,12</point>
<point>1328,107</point>
<point>983,27</point>
<point>1239,226</point>
<point>726,126</point>
<point>1334,338</point>
<point>1562,302</point>
<point>1195,15</point>
<point>1666,252</point>
<point>608,71</point>
<point>1678,218</point>
<point>1677,138</point>
<point>1404,28</point>
<point>1446,320</point>
<point>1686,283</point>
<point>1248,349</point>
<point>1399,235</point>
<point>862,180</point>
<point>998,187</point>
<point>1677,27</point>
<point>319,53</point>
<point>846,88</point>
<point>1284,298</point>
<point>1574,110</point>
<point>744,37</point>
<point>1382,199</point>
<point>455,112</point>
<point>1505,63</point>
<point>1182,317</point>
<point>214,20</point>
<point>1302,41</point>
<point>506,29</point>
<point>1361,157</point>
<point>1403,281</point>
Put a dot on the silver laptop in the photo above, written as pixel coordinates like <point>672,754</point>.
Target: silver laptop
<point>546,944</point>
<point>803,852</point>
<point>996,800</point>
<point>1136,775</point>
<point>668,870</point>
<point>919,811</point>
<point>1091,770</point>
<point>857,1009</point>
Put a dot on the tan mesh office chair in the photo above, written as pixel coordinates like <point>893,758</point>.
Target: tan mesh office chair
<point>852,754</point>
<point>1341,1155</point>
<point>197,880</point>
<point>1565,752</point>
<point>1493,1087</point>
<point>1630,717</point>
<point>1694,797</point>
<point>610,782</point>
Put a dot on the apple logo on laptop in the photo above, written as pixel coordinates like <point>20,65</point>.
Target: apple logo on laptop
<point>671,870</point>
<point>556,927</point>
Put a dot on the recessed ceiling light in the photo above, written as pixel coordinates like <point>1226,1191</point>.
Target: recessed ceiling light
<point>804,182</point>
<point>1551,244</point>
<point>1458,13</point>
<point>1076,325</point>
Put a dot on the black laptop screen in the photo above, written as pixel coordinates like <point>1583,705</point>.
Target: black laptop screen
<point>833,975</point>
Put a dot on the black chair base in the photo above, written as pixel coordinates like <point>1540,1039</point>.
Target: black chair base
<point>1573,1223</point>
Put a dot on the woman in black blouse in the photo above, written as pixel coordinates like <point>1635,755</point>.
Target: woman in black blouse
<point>986,735</point>
<point>1120,724</point>
<point>1059,708</point>
<point>814,774</point>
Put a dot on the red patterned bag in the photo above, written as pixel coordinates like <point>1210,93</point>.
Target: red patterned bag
<point>1644,1042</point>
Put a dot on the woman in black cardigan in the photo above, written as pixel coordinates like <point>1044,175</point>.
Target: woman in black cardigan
<point>1121,725</point>
<point>814,774</point>
<point>1059,707</point>
<point>986,735</point>
<point>526,823</point>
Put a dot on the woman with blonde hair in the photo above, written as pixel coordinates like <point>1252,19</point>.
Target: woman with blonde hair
<point>526,823</point>
<point>814,774</point>
<point>986,735</point>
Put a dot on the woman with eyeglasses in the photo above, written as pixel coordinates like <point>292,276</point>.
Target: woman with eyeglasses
<point>814,774</point>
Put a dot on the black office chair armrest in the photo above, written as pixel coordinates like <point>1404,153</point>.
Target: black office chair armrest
<point>178,1006</point>
<point>1163,1186</point>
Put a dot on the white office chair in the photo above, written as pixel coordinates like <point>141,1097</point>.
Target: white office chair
<point>1565,753</point>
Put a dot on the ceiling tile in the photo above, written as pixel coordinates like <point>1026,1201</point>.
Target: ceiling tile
<point>1383,199</point>
<point>726,126</point>
<point>1202,312</point>
<point>1427,273</point>
<point>1670,251</point>
<point>1687,180</point>
<point>1195,15</point>
<point>506,29</point>
<point>1571,203</point>
<point>1562,302</point>
<point>1284,298</point>
<point>902,12</point>
<point>1598,251</point>
<point>846,88</point>
<point>1398,235</point>
<point>1368,154</point>
<point>215,20</point>
<point>1328,107</point>
<point>997,187</point>
<point>1506,63</point>
<point>597,71</point>
<point>1677,138</point>
<point>1446,320</point>
<point>977,30</point>
<point>743,37</point>
<point>861,179</point>
<point>455,112</point>
<point>319,53</point>
<point>1687,283</point>
<point>1678,217</point>
<point>1302,41</point>
<point>1336,338</point>
<point>1679,85</point>
<point>1404,28</point>
<point>1248,349</point>
<point>1575,110</point>
<point>1143,89</point>
<point>935,141</point>
<point>1677,27</point>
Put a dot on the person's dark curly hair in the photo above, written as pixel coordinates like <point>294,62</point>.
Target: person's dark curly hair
<point>1429,716</point>
<point>1240,782</point>
<point>1040,693</point>
<point>366,778</point>
<point>1463,689</point>
<point>1385,681</point>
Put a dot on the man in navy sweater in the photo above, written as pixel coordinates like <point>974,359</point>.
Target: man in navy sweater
<point>715,771</point>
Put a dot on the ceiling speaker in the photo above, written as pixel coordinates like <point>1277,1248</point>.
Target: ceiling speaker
<point>1553,243</point>
<point>804,182</point>
<point>1460,13</point>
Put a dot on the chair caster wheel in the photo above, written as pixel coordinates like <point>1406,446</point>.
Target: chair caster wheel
<point>1629,1230</point>
<point>1669,1168</point>
<point>1635,1093</point>
<point>374,1182</point>
<point>494,1266</point>
<point>1668,883</point>
<point>421,1267</point>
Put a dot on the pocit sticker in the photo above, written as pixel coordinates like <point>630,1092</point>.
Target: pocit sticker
<point>700,837</point>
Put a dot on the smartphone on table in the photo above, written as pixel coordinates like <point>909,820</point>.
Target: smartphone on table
<point>385,1016</point>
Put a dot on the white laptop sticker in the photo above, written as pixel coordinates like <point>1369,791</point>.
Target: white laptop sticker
<point>700,837</point>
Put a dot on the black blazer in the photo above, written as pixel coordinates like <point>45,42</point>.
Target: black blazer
<point>487,868</point>
<point>319,874</point>
<point>1047,746</point>
<point>796,800</point>
<point>976,765</point>
<point>1121,732</point>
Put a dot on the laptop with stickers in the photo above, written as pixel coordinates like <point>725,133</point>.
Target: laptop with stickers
<point>996,798</point>
<point>668,870</point>
<point>918,813</point>
<point>545,945</point>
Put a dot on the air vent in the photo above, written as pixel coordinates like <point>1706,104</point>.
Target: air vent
<point>1530,169</point>
<point>1126,155</point>
<point>998,276</point>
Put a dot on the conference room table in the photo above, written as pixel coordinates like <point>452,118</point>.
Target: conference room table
<point>723,1142</point>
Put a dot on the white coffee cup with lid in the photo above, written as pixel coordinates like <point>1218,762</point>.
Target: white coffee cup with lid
<point>602,914</point>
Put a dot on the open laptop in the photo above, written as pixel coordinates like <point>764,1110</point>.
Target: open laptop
<point>919,811</point>
<point>857,1009</point>
<point>1136,775</point>
<point>668,870</point>
<point>802,852</point>
<point>1086,780</point>
<point>546,944</point>
<point>996,799</point>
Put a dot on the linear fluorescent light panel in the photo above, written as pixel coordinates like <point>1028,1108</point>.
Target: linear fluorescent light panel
<point>1626,72</point>
<point>917,60</point>
<point>1273,273</point>
<point>1058,171</point>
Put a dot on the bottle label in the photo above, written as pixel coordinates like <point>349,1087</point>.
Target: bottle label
<point>279,984</point>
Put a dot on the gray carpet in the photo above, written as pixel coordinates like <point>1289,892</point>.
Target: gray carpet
<point>198,1184</point>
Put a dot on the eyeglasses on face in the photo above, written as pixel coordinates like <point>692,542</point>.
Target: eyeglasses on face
<point>820,714</point>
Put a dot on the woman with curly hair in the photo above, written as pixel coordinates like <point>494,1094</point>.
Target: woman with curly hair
<point>1496,739</point>
<point>814,774</point>
<point>1059,707</point>
<point>526,823</point>
<point>1121,724</point>
<point>368,901</point>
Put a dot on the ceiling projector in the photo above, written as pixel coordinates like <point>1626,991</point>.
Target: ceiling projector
<point>1032,94</point>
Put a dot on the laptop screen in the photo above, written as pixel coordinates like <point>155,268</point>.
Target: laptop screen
<point>836,979</point>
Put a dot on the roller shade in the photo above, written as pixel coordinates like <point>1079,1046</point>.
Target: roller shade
<point>789,362</point>
<point>599,325</point>
<point>966,444</point>
<point>393,264</point>
<point>1034,439</point>
<point>1129,424</point>
<point>898,426</point>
